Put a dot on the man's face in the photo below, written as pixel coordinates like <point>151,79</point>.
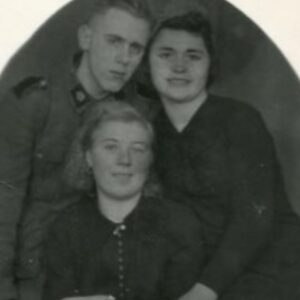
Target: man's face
<point>113,45</point>
<point>179,63</point>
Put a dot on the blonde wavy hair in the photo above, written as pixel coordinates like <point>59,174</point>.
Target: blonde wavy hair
<point>78,175</point>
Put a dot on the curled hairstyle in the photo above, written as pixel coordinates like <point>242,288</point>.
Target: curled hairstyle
<point>78,175</point>
<point>195,23</point>
<point>137,8</point>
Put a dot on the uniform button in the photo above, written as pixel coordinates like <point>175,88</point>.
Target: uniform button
<point>39,155</point>
<point>43,83</point>
<point>31,261</point>
<point>121,277</point>
<point>80,96</point>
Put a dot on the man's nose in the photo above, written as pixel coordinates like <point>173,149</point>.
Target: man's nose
<point>179,64</point>
<point>124,157</point>
<point>123,55</point>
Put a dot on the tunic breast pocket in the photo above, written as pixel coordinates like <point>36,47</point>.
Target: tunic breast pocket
<point>48,159</point>
<point>48,167</point>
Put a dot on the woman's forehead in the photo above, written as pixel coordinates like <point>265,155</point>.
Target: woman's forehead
<point>122,130</point>
<point>178,39</point>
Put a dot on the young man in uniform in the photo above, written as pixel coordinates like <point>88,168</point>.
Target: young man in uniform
<point>38,119</point>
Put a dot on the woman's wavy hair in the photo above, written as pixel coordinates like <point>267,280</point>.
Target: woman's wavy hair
<point>195,23</point>
<point>78,175</point>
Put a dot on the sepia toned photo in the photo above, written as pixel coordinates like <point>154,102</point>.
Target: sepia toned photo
<point>149,151</point>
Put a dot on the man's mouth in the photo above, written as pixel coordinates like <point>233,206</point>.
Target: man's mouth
<point>119,75</point>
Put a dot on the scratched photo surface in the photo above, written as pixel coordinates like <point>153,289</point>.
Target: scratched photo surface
<point>251,68</point>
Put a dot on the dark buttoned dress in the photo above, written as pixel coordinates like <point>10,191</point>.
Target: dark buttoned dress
<point>155,254</point>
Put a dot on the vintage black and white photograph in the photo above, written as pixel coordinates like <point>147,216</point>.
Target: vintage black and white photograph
<point>149,150</point>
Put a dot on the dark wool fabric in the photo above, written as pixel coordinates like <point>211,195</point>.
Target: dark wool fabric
<point>223,165</point>
<point>161,247</point>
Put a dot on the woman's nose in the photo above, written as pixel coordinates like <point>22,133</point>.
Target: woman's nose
<point>179,65</point>
<point>124,157</point>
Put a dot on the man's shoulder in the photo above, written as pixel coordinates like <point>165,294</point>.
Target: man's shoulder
<point>30,84</point>
<point>41,87</point>
<point>27,94</point>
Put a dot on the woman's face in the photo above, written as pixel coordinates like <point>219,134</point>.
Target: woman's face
<point>120,158</point>
<point>179,65</point>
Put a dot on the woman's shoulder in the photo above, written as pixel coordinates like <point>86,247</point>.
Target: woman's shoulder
<point>236,115</point>
<point>231,105</point>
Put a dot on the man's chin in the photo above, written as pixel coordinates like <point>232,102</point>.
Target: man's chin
<point>115,86</point>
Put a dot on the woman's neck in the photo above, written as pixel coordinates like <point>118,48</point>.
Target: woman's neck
<point>180,113</point>
<point>116,210</point>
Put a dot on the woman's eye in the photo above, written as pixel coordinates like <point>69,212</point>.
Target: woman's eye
<point>194,57</point>
<point>164,55</point>
<point>139,150</point>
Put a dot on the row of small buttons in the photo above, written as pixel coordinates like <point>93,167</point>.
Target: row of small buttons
<point>118,232</point>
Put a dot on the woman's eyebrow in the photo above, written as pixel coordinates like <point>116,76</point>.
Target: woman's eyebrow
<point>107,139</point>
<point>195,50</point>
<point>165,48</point>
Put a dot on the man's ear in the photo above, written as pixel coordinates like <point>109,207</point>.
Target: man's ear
<point>84,37</point>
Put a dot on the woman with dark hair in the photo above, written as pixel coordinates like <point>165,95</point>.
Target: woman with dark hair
<point>216,155</point>
<point>121,240</point>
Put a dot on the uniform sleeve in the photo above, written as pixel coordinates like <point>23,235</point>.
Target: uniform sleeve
<point>19,119</point>
<point>60,263</point>
<point>186,257</point>
<point>252,160</point>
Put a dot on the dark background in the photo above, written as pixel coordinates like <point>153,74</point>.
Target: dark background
<point>251,68</point>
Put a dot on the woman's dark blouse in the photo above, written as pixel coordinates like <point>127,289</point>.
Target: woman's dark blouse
<point>156,257</point>
<point>224,166</point>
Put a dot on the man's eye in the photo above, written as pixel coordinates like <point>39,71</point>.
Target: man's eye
<point>114,40</point>
<point>136,49</point>
<point>110,147</point>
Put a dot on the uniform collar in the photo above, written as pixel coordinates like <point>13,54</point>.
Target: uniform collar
<point>80,98</point>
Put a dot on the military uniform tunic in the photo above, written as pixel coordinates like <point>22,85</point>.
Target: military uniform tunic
<point>38,119</point>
